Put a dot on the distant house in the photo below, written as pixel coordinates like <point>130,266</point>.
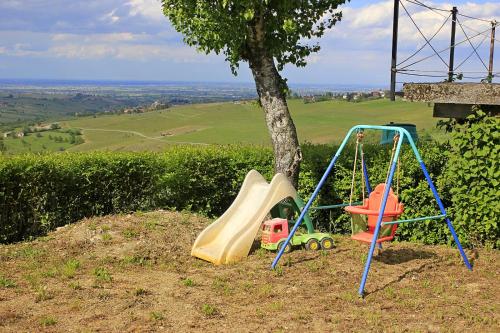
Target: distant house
<point>40,128</point>
<point>19,134</point>
<point>309,99</point>
<point>376,94</point>
<point>7,134</point>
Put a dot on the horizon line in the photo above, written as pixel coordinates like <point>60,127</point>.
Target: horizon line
<point>181,81</point>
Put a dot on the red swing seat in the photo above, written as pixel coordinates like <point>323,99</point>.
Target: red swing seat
<point>371,208</point>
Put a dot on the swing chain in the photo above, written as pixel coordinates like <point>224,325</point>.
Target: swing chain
<point>359,137</point>
<point>395,140</point>
<point>363,172</point>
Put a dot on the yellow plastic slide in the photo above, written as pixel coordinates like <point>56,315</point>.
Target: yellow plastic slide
<point>230,237</point>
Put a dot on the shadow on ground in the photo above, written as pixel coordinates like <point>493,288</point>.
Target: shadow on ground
<point>399,256</point>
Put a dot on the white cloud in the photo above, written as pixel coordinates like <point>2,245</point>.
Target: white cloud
<point>369,16</point>
<point>111,17</point>
<point>124,45</point>
<point>81,51</point>
<point>372,24</point>
<point>98,38</point>
<point>11,4</point>
<point>176,54</point>
<point>150,9</point>
<point>136,30</point>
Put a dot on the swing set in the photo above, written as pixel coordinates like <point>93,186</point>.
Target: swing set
<point>364,217</point>
<point>375,220</point>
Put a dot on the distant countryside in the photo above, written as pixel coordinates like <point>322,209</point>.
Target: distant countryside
<point>141,119</point>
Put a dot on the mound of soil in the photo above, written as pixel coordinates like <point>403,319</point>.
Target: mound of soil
<point>131,273</point>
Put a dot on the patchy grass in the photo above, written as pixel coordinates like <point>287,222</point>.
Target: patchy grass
<point>140,292</point>
<point>106,237</point>
<point>188,282</point>
<point>48,321</point>
<point>157,316</point>
<point>69,268</point>
<point>130,233</point>
<point>6,283</point>
<point>144,279</point>
<point>101,274</point>
<point>209,310</point>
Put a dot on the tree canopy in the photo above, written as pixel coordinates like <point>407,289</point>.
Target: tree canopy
<point>268,34</point>
<point>224,26</point>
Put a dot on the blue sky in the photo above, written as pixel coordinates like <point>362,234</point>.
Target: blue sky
<point>132,40</point>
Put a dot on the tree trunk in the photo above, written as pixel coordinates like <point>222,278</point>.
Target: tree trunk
<point>269,84</point>
<point>270,88</point>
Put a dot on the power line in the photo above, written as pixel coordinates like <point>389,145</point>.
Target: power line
<point>494,24</point>
<point>476,18</point>
<point>428,42</point>
<point>473,51</point>
<point>438,71</point>
<point>436,10</point>
<point>418,3</point>
<point>445,49</point>
<point>468,39</point>
<point>420,49</point>
<point>441,73</point>
<point>424,75</point>
<point>444,76</point>
<point>474,77</point>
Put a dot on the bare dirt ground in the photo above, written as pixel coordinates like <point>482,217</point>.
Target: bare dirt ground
<point>133,273</point>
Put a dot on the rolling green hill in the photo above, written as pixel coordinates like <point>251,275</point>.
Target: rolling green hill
<point>22,108</point>
<point>222,123</point>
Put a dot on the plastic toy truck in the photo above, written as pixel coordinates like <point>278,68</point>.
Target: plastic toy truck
<point>276,231</point>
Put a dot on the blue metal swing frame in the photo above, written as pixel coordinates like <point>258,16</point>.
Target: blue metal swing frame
<point>403,135</point>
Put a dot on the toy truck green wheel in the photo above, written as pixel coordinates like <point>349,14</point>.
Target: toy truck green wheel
<point>327,243</point>
<point>288,247</point>
<point>313,245</point>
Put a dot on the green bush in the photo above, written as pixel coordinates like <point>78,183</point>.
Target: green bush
<point>472,178</point>
<point>41,192</point>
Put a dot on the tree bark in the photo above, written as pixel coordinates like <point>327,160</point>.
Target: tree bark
<point>271,90</point>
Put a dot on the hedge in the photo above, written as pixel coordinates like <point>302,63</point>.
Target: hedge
<point>41,192</point>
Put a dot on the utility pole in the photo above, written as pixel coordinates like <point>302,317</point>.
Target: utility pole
<point>492,48</point>
<point>454,12</point>
<point>394,49</point>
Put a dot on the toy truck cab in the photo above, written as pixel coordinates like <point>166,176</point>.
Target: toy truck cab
<point>274,234</point>
<point>276,231</point>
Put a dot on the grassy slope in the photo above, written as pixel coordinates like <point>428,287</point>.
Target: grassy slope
<point>29,107</point>
<point>32,143</point>
<point>223,123</point>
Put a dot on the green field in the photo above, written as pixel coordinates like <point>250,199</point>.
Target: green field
<point>19,109</point>
<point>223,123</point>
<point>39,142</point>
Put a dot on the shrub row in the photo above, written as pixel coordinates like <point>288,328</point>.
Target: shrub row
<point>41,192</point>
